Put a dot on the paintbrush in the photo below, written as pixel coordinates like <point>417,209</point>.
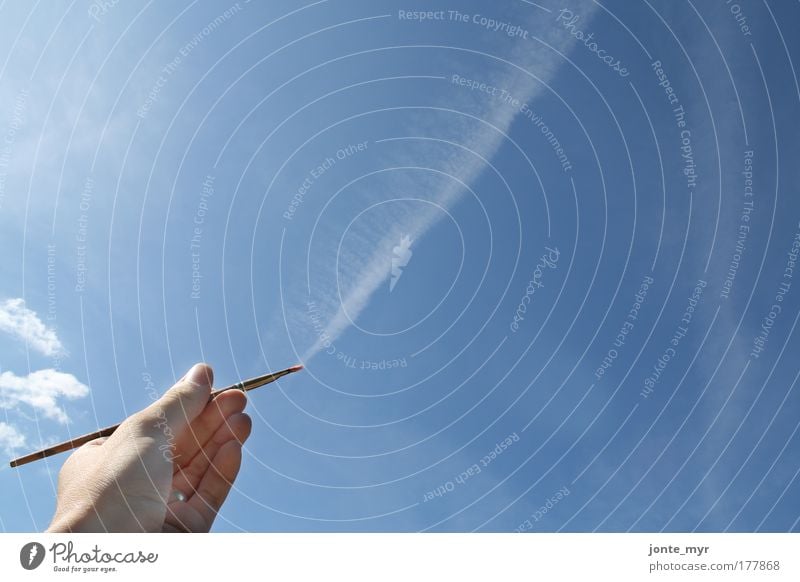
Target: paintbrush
<point>244,386</point>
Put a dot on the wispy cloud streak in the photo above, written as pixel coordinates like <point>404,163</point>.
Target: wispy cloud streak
<point>343,295</point>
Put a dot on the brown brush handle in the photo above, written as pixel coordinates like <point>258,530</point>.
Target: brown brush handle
<point>65,446</point>
<point>81,440</point>
<point>108,431</point>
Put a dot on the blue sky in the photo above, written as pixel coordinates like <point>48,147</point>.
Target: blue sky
<point>537,258</point>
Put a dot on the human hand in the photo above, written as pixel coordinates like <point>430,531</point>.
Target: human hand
<point>166,468</point>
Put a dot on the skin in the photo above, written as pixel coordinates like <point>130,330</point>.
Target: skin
<point>180,443</point>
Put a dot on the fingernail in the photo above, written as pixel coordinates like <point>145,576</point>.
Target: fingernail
<point>200,374</point>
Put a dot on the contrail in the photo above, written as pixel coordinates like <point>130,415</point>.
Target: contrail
<point>363,270</point>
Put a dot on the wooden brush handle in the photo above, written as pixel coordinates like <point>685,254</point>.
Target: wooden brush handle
<point>108,431</point>
<point>82,440</point>
<point>65,446</point>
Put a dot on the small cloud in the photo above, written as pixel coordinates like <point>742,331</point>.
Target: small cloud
<point>24,324</point>
<point>10,438</point>
<point>42,390</point>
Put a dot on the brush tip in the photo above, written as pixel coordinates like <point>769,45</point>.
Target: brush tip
<point>296,368</point>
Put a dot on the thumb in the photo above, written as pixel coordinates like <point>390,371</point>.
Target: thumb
<point>186,399</point>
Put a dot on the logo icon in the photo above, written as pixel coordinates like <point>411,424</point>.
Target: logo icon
<point>401,256</point>
<point>31,555</point>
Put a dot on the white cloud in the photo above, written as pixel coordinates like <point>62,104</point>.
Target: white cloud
<point>41,390</point>
<point>10,438</point>
<point>24,324</point>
